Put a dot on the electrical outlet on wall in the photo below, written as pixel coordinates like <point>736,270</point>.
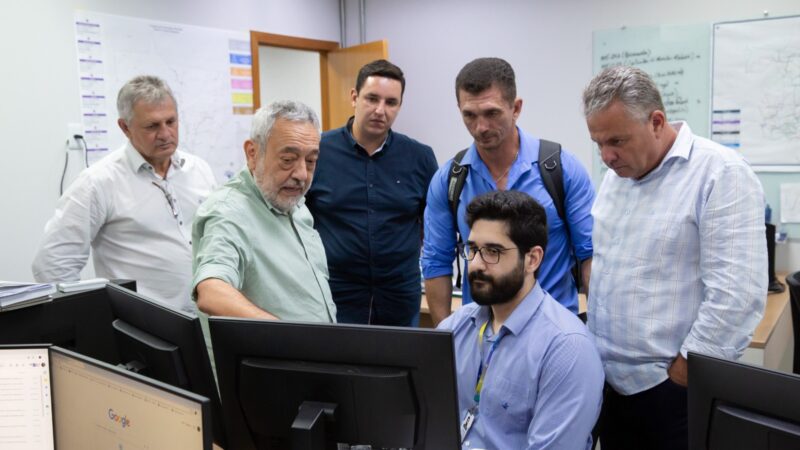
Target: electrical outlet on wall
<point>72,130</point>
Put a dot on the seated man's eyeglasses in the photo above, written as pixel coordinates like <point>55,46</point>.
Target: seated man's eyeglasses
<point>489,255</point>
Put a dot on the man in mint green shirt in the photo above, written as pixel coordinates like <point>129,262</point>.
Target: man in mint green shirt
<point>256,253</point>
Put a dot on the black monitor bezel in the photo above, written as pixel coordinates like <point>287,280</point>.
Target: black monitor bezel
<point>204,402</point>
<point>234,339</point>
<point>757,389</point>
<point>184,331</point>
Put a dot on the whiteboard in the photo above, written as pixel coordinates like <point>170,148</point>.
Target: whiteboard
<point>676,56</point>
<point>678,59</point>
<point>209,71</point>
<point>756,90</point>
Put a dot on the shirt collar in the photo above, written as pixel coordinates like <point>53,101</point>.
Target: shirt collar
<point>521,315</point>
<point>681,148</point>
<point>528,152</point>
<point>250,183</point>
<point>137,162</point>
<point>348,132</point>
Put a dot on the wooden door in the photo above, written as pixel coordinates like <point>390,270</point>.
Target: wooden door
<point>342,69</point>
<point>338,70</point>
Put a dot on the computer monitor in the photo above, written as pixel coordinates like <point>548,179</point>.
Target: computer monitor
<point>25,401</point>
<point>166,344</point>
<point>79,321</point>
<point>302,386</point>
<point>97,405</point>
<point>735,405</point>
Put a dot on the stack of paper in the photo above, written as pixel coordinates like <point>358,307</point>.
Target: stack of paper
<point>82,285</point>
<point>15,295</point>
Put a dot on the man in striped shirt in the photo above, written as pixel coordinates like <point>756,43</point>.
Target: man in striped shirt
<point>680,260</point>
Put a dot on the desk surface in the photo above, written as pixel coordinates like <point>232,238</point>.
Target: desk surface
<point>776,305</point>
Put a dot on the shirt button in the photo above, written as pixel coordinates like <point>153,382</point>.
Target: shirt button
<point>180,223</point>
<point>370,185</point>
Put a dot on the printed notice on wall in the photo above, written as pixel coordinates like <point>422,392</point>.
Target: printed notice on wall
<point>790,202</point>
<point>209,71</point>
<point>677,57</point>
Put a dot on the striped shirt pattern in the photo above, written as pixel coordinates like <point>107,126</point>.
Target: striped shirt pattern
<point>680,262</point>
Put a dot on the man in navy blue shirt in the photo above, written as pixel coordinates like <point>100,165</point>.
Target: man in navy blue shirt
<point>368,199</point>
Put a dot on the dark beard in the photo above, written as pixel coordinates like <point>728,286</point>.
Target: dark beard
<point>501,290</point>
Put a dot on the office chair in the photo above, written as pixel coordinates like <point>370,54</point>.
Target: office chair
<point>793,280</point>
<point>775,286</point>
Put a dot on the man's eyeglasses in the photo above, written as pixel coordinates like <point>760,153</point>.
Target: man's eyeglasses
<point>489,255</point>
<point>170,199</point>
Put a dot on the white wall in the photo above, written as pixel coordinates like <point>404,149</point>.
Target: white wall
<point>39,92</point>
<point>289,74</point>
<point>549,44</point>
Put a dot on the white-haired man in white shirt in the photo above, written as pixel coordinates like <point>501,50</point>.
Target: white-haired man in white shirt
<point>133,208</point>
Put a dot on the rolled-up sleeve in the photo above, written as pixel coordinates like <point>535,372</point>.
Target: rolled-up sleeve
<point>580,194</point>
<point>217,253</point>
<point>733,264</point>
<point>439,244</point>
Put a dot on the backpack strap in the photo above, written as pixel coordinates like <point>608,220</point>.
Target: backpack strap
<point>455,184</point>
<point>552,174</point>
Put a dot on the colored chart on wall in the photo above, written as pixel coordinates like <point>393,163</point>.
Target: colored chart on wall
<point>209,71</point>
<point>756,90</point>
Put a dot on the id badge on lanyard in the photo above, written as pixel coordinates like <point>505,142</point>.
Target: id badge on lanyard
<point>472,413</point>
<point>468,421</point>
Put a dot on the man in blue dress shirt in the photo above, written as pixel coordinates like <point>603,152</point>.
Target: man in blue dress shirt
<point>367,199</point>
<point>504,157</point>
<point>529,375</point>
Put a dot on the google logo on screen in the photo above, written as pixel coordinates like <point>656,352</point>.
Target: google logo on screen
<point>122,420</point>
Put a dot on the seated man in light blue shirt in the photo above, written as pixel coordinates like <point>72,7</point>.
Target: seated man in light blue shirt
<point>529,375</point>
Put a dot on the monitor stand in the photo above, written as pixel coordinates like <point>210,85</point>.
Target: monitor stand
<point>308,428</point>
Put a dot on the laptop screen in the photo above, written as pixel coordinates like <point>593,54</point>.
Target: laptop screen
<point>101,406</point>
<point>25,404</point>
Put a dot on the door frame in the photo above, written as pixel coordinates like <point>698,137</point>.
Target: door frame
<point>258,38</point>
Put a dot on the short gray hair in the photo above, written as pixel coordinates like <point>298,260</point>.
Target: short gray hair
<point>147,88</point>
<point>630,85</point>
<point>265,118</point>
